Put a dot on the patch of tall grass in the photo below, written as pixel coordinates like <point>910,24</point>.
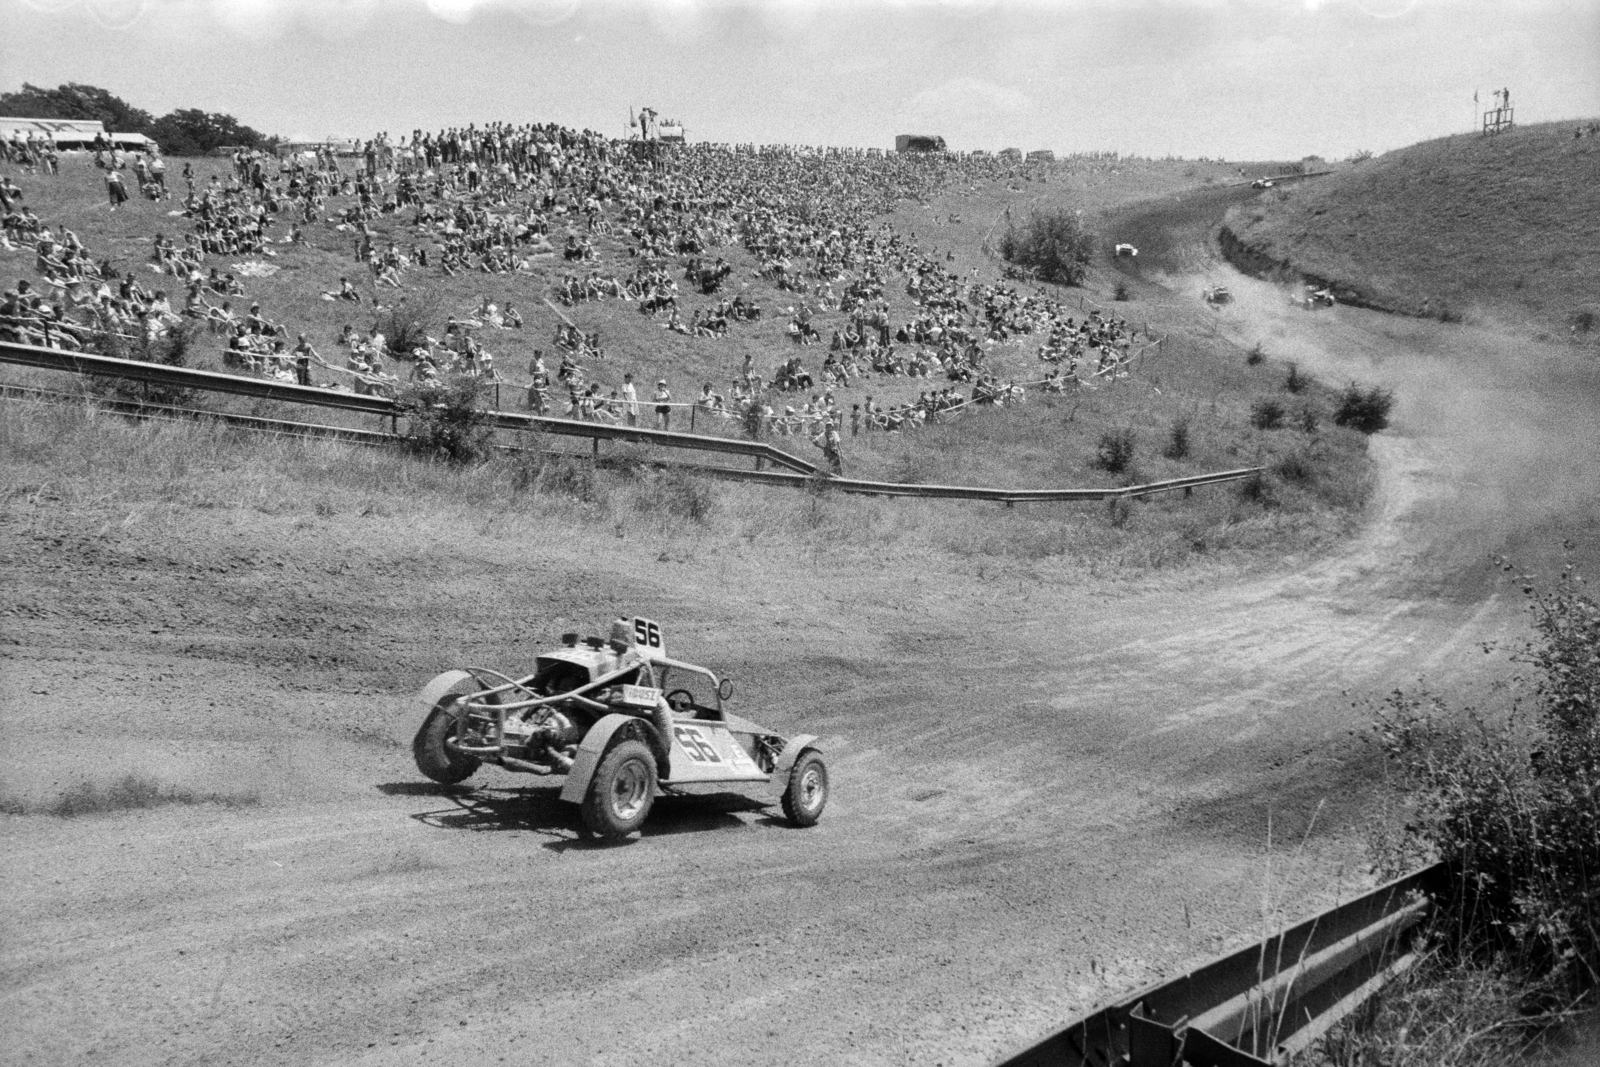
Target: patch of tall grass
<point>1510,802</point>
<point>107,466</point>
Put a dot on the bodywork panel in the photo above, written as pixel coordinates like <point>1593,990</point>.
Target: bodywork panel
<point>705,751</point>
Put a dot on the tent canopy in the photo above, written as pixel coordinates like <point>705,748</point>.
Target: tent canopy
<point>70,133</point>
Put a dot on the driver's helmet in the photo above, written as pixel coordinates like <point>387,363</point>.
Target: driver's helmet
<point>621,638</point>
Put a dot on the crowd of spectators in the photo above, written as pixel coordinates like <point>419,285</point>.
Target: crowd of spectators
<point>496,199</point>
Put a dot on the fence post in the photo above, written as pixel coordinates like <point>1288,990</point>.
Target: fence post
<point>692,408</point>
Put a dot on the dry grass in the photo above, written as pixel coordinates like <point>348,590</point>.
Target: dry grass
<point>108,465</point>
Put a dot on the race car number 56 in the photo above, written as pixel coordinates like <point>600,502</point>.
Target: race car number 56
<point>695,746</point>
<point>646,633</point>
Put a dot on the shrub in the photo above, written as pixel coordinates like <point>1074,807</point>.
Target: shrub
<point>1255,490</point>
<point>446,421</point>
<point>1115,452</point>
<point>1583,322</point>
<point>1256,356</point>
<point>1121,292</point>
<point>677,494</point>
<point>1361,409</point>
<point>1053,244</point>
<point>1119,509</point>
<point>406,325</point>
<point>627,461</point>
<point>169,351</point>
<point>1178,438</point>
<point>1307,419</point>
<point>1296,468</point>
<point>1513,806</point>
<point>1266,414</point>
<point>1295,382</point>
<point>568,476</point>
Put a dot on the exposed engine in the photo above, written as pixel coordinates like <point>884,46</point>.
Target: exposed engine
<point>544,736</point>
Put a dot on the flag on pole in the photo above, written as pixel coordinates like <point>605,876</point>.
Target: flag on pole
<point>1474,96</point>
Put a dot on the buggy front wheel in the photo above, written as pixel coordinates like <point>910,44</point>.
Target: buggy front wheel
<point>435,757</point>
<point>807,793</point>
<point>622,791</point>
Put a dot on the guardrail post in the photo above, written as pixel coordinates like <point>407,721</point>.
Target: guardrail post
<point>692,408</point>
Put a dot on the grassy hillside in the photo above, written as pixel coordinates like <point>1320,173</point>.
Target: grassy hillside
<point>1199,382</point>
<point>1502,230</point>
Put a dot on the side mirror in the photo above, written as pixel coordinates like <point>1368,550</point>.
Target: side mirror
<point>725,688</point>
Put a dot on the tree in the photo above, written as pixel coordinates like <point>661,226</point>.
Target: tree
<point>75,101</point>
<point>192,132</point>
<point>1053,244</point>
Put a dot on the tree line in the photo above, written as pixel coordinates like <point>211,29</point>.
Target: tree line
<point>182,132</point>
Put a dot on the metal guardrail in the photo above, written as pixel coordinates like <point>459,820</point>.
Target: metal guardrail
<point>189,378</point>
<point>1259,1004</point>
<point>169,413</point>
<point>796,471</point>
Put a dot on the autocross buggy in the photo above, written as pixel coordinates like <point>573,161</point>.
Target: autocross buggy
<point>622,720</point>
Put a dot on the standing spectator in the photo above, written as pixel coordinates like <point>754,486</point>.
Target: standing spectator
<point>115,189</point>
<point>830,447</point>
<point>663,401</point>
<point>303,354</point>
<point>630,400</point>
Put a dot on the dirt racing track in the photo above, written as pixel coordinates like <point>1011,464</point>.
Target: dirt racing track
<point>1041,796</point>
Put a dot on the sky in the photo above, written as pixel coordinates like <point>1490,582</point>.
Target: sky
<point>1229,79</point>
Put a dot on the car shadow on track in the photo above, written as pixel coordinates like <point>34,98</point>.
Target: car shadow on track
<point>539,809</point>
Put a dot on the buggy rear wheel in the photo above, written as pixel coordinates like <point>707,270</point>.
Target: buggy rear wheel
<point>621,792</point>
<point>807,793</point>
<point>434,757</point>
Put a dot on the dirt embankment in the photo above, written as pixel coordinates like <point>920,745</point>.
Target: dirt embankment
<point>1500,231</point>
<point>1260,263</point>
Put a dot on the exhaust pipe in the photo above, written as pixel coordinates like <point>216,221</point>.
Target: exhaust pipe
<point>563,763</point>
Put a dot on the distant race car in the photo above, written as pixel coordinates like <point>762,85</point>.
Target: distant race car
<point>623,722</point>
<point>1262,183</point>
<point>1126,249</point>
<point>1312,299</point>
<point>1217,295</point>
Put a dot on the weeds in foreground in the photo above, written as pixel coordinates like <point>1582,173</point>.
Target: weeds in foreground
<point>1511,805</point>
<point>131,792</point>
